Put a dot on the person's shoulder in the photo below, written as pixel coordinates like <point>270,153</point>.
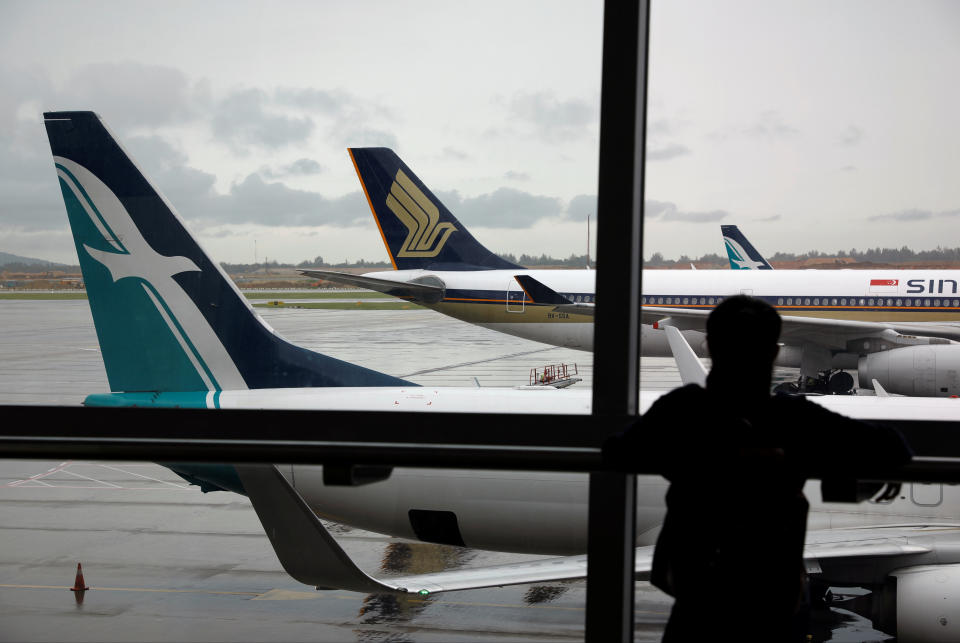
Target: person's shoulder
<point>685,397</point>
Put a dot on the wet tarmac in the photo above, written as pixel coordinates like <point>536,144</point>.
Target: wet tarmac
<point>167,563</point>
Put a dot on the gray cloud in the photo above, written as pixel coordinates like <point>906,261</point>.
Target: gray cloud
<point>254,200</point>
<point>667,152</point>
<point>770,125</point>
<point>513,175</point>
<point>242,119</point>
<point>582,205</point>
<point>503,208</point>
<point>770,219</point>
<point>453,154</point>
<point>553,119</point>
<point>914,214</point>
<point>300,167</point>
<point>903,215</point>
<point>851,136</point>
<point>667,211</point>
<point>129,94</point>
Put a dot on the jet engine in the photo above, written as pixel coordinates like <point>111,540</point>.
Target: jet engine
<point>928,371</point>
<point>928,603</point>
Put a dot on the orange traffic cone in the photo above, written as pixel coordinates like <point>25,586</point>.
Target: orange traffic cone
<point>78,584</point>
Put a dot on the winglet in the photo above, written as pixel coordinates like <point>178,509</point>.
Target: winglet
<point>305,548</point>
<point>691,368</point>
<point>878,389</point>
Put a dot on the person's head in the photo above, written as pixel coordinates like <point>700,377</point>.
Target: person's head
<point>742,334</point>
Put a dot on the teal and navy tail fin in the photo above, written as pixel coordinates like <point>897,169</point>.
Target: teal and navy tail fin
<point>167,317</point>
<point>418,230</point>
<point>742,254</point>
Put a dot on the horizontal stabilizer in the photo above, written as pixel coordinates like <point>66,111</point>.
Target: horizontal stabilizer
<point>403,289</point>
<point>540,293</point>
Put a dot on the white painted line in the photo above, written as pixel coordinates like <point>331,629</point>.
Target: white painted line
<point>92,479</point>
<point>140,475</point>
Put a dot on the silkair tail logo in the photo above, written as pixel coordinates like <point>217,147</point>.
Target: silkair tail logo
<point>426,236</point>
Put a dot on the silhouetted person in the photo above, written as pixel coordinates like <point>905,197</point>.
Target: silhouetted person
<point>731,547</point>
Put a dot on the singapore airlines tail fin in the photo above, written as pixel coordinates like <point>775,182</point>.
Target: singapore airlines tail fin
<point>167,317</point>
<point>742,254</point>
<point>418,230</point>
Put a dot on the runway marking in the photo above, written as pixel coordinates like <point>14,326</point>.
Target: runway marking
<point>479,361</point>
<point>36,477</point>
<point>140,475</point>
<point>103,482</point>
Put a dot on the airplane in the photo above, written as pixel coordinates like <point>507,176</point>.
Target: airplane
<point>742,254</point>
<point>837,319</point>
<point>174,331</point>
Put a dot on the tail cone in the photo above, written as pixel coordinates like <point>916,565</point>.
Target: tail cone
<point>78,584</point>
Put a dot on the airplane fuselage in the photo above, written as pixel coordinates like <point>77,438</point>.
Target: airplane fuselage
<point>494,299</point>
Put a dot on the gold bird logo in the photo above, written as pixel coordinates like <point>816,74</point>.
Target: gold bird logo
<point>426,236</point>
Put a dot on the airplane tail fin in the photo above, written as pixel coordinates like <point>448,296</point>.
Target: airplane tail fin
<point>167,317</point>
<point>418,230</point>
<point>742,254</point>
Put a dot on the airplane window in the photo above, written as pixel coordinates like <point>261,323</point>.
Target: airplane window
<point>712,301</point>
<point>686,300</point>
<point>909,302</point>
<point>816,302</point>
<point>899,302</point>
<point>660,300</point>
<point>870,302</point>
<point>643,300</point>
<point>936,302</point>
<point>780,301</point>
<point>806,302</point>
<point>789,301</point>
<point>926,302</point>
<point>863,302</point>
<point>833,302</point>
<point>956,303</point>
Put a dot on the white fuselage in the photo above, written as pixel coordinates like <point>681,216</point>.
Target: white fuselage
<point>534,512</point>
<point>929,299</point>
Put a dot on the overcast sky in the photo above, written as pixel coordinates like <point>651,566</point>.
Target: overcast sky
<point>812,124</point>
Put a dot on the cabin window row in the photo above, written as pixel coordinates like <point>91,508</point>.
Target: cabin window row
<point>867,302</point>
<point>678,301</point>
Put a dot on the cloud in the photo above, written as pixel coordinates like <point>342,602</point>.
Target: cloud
<point>903,215</point>
<point>771,126</point>
<point>851,136</point>
<point>300,167</point>
<point>582,205</point>
<point>129,94</point>
<point>453,154</point>
<point>667,211</point>
<point>914,214</point>
<point>552,119</point>
<point>242,119</point>
<point>770,219</point>
<point>513,175</point>
<point>668,152</point>
<point>503,208</point>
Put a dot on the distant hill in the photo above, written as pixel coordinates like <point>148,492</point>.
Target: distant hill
<point>6,258</point>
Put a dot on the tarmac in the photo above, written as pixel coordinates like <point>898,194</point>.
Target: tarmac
<point>165,562</point>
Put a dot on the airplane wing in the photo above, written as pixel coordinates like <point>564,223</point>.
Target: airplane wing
<point>402,289</point>
<point>835,334</point>
<point>312,556</point>
<point>540,293</point>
